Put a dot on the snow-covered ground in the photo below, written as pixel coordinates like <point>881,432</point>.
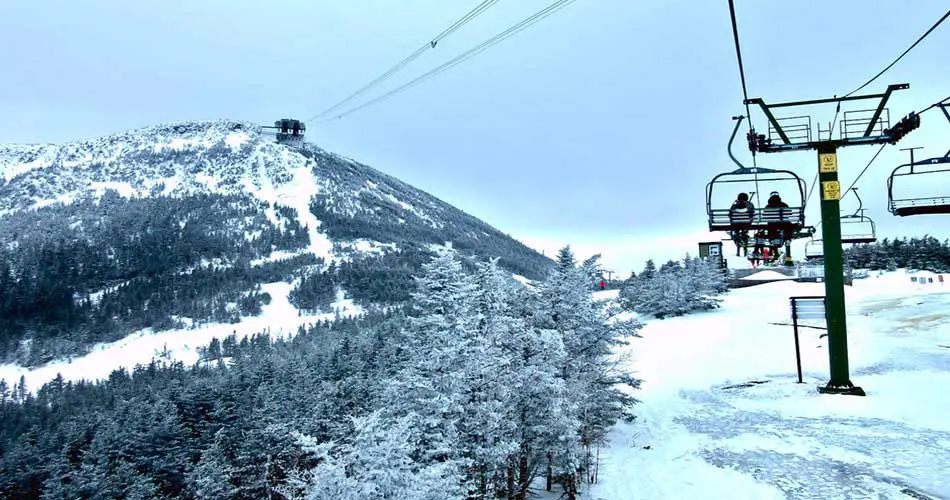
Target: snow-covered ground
<point>722,414</point>
<point>602,295</point>
<point>701,434</point>
<point>279,318</point>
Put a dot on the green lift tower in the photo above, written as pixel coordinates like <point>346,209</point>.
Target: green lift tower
<point>857,128</point>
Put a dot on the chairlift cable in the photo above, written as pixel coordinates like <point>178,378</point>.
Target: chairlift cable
<point>811,189</point>
<point>735,36</point>
<point>862,172</point>
<point>838,108</point>
<point>934,105</point>
<point>745,94</point>
<point>523,24</point>
<point>472,14</point>
<point>942,19</point>
<point>482,7</point>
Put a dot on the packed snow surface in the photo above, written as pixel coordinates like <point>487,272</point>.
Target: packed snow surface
<point>602,295</point>
<point>723,415</point>
<point>767,275</point>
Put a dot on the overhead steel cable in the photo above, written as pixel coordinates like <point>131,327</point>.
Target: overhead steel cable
<point>745,92</point>
<point>862,171</point>
<point>838,109</point>
<point>482,7</point>
<point>525,23</point>
<point>735,36</point>
<point>934,105</point>
<point>942,19</point>
<point>812,189</point>
<point>472,14</point>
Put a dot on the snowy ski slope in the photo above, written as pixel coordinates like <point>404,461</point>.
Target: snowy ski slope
<point>699,438</point>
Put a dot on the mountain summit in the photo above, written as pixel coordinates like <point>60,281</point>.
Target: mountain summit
<point>182,223</point>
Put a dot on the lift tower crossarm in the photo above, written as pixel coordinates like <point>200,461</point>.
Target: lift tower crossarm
<point>768,113</point>
<point>880,106</point>
<point>867,138</point>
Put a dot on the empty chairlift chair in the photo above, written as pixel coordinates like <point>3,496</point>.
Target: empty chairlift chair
<point>857,227</point>
<point>935,172</point>
<point>930,194</point>
<point>814,249</point>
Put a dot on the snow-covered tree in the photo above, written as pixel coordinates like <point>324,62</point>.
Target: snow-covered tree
<point>432,387</point>
<point>642,293</point>
<point>499,383</point>
<point>211,477</point>
<point>676,288</point>
<point>540,403</point>
<point>593,398</point>
<point>488,429</point>
<point>379,465</point>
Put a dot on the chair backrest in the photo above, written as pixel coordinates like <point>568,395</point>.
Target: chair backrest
<point>776,214</point>
<point>741,213</point>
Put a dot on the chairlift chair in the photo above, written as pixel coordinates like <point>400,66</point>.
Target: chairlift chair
<point>791,219</point>
<point>857,228</point>
<point>935,204</point>
<point>905,206</point>
<point>814,249</point>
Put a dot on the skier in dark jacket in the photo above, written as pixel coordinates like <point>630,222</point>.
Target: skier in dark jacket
<point>741,212</point>
<point>776,211</point>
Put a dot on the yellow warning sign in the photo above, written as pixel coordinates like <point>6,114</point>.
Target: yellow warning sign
<point>831,190</point>
<point>827,162</point>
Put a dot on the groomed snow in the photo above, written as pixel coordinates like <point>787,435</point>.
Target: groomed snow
<point>602,295</point>
<point>767,275</point>
<point>14,170</point>
<point>276,256</point>
<point>700,434</point>
<point>295,194</point>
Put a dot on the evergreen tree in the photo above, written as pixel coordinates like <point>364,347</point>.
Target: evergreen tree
<point>432,389</point>
<point>378,465</point>
<point>593,400</point>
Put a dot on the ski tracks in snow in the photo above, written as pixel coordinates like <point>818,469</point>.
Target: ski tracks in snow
<point>703,433</point>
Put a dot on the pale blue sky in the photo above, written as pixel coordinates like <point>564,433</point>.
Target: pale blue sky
<point>599,126</point>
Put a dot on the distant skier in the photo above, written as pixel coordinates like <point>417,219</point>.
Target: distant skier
<point>603,285</point>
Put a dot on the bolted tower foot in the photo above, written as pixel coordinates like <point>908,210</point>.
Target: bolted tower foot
<point>847,388</point>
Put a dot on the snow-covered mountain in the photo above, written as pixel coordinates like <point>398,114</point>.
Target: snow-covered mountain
<point>184,222</point>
